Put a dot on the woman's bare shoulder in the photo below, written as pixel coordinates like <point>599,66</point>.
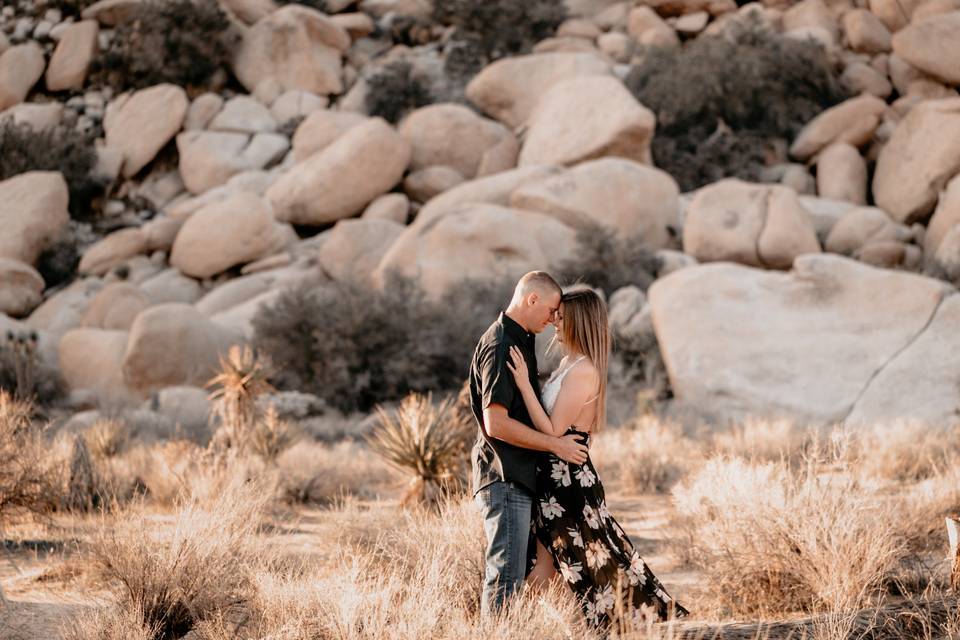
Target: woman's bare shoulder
<point>584,372</point>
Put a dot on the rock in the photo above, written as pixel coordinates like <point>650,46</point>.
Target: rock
<point>357,25</point>
<point>426,183</point>
<point>171,286</point>
<point>862,78</point>
<point>144,123</point>
<point>649,29</point>
<point>202,110</point>
<point>933,8</point>
<point>917,162</point>
<point>865,33</point>
<point>931,45</point>
<point>115,307</point>
<point>111,13</point>
<point>902,74</point>
<point>63,310</point>
<point>842,174</point>
<point>173,344</point>
<point>812,14</point>
<point>565,45</point>
<point>161,232</point>
<point>862,226</point>
<point>223,235</point>
<point>320,129</point>
<point>249,11</point>
<point>275,261</point>
<point>91,360</point>
<point>296,104</point>
<point>722,327</point>
<point>634,200</point>
<point>756,225</point>
<point>112,250</point>
<point>894,14</point>
<point>294,47</point>
<point>37,116</point>
<point>210,158</point>
<point>625,304</point>
<point>20,68</point>
<point>669,261</point>
<point>886,254</point>
<point>73,55</point>
<point>586,118</point>
<point>355,248</point>
<point>21,288</point>
<point>243,114</point>
<point>945,217</point>
<point>852,121</point>
<point>239,319</point>
<point>342,179</point>
<point>467,243</point>
<point>245,288</point>
<point>510,88</point>
<point>391,206</point>
<point>187,407</point>
<point>33,214</point>
<point>616,45</point>
<point>430,130</point>
<point>579,28</point>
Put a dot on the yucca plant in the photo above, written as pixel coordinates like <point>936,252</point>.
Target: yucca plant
<point>241,380</point>
<point>425,441</point>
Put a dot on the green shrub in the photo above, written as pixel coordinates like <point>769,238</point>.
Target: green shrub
<point>605,261</point>
<point>487,30</point>
<point>184,42</point>
<point>355,345</point>
<point>60,149</point>
<point>396,89</point>
<point>720,101</point>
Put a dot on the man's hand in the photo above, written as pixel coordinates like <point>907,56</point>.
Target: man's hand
<point>570,448</point>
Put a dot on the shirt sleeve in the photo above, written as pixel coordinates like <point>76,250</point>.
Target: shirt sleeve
<point>496,381</point>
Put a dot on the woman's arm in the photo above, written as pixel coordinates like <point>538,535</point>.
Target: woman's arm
<point>574,393</point>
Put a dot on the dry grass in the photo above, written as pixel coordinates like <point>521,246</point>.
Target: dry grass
<point>314,473</point>
<point>646,456</point>
<point>764,440</point>
<point>26,476</point>
<point>906,451</point>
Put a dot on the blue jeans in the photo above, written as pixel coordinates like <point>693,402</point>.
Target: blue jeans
<point>507,511</point>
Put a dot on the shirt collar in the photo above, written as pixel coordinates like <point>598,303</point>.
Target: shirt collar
<point>513,328</point>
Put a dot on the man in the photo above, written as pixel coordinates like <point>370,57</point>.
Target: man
<point>505,455</point>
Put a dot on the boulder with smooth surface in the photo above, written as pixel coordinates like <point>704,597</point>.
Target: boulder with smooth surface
<point>33,214</point>
<point>21,67</point>
<point>21,288</point>
<point>931,45</point>
<point>141,124</point>
<point>852,121</point>
<point>355,248</point>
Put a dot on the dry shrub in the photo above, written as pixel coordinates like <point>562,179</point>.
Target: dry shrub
<point>606,261</point>
<point>108,623</point>
<point>179,575</point>
<point>395,89</point>
<point>905,451</point>
<point>647,455</point>
<point>26,476</point>
<point>766,440</point>
<point>315,473</point>
<point>773,540</point>
<point>107,437</point>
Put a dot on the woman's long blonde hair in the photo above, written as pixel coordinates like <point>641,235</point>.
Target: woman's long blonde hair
<point>586,330</point>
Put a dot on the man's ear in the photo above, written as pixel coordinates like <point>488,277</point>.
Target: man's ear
<point>532,299</point>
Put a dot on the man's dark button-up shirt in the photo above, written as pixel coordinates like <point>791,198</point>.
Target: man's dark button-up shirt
<point>491,382</point>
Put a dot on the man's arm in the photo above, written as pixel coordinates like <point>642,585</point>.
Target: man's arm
<point>501,426</point>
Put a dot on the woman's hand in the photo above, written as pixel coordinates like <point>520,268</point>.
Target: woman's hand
<point>518,367</point>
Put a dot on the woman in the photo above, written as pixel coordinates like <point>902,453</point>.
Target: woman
<point>576,535</point>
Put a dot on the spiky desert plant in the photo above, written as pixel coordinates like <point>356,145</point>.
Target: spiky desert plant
<point>426,442</point>
<point>107,437</point>
<point>241,380</point>
<point>273,435</point>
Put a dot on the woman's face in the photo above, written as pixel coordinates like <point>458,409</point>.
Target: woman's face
<point>558,323</point>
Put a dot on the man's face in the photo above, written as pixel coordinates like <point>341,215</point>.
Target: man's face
<point>543,311</point>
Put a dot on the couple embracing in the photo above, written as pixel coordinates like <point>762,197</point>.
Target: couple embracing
<point>545,515</point>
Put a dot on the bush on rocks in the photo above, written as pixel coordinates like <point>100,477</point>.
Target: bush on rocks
<point>60,149</point>
<point>183,42</point>
<point>67,7</point>
<point>356,346</point>
<point>486,30</point>
<point>318,5</point>
<point>605,261</point>
<point>723,103</point>
<point>395,90</point>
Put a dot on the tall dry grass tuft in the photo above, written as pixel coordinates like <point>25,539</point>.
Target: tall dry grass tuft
<point>26,474</point>
<point>772,539</point>
<point>905,451</point>
<point>310,472</point>
<point>426,442</point>
<point>647,455</point>
<point>108,623</point>
<point>765,440</point>
<point>179,575</point>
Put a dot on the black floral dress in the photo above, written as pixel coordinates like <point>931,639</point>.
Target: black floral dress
<point>590,550</point>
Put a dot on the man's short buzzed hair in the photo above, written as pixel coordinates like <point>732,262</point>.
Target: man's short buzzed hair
<point>537,282</point>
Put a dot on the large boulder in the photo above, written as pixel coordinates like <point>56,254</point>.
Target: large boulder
<point>635,200</point>
<point>225,234</point>
<point>115,307</point>
<point>470,243</point>
<point>842,174</point>
<point>21,287</point>
<point>510,88</point>
<point>931,45</point>
<point>73,55</point>
<point>921,157</point>
<point>141,124</point>
<point>33,214</point>
<point>865,32</point>
<point>804,344</point>
<point>355,248</point>
<point>342,179</point>
<point>209,159</point>
<point>91,360</point>
<point>584,118</point>
<point>64,309</point>
<point>756,225</point>
<point>173,344</point>
<point>863,226</point>
<point>238,291</point>
<point>431,130</point>
<point>852,121</point>
<point>294,47</point>
<point>945,217</point>
<point>112,250</point>
<point>321,128</point>
<point>171,286</point>
<point>20,68</point>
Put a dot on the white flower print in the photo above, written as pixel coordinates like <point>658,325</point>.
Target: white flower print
<point>591,613</point>
<point>571,572</point>
<point>550,509</point>
<point>561,474</point>
<point>603,600</point>
<point>591,517</point>
<point>597,554</point>
<point>585,477</point>
<point>636,571</point>
<point>575,537</point>
<point>603,511</point>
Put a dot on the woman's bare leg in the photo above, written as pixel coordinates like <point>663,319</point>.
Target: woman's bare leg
<point>543,572</point>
